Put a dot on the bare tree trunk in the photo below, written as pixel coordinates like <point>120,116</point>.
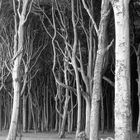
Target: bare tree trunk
<point>67,97</point>
<point>71,127</point>
<point>122,71</point>
<point>24,120</point>
<point>47,109</point>
<point>15,112</point>
<point>74,63</point>
<point>0,112</point>
<point>29,114</point>
<point>87,123</point>
<point>16,77</point>
<point>102,114</point>
<point>62,131</point>
<point>69,122</point>
<point>138,124</point>
<point>138,82</point>
<point>97,86</point>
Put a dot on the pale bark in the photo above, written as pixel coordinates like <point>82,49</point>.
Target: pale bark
<point>0,113</point>
<point>122,71</point>
<point>102,114</point>
<point>138,82</point>
<point>101,34</point>
<point>45,100</point>
<point>14,119</point>
<point>16,77</point>
<point>74,64</point>
<point>62,131</point>
<point>87,123</point>
<point>47,107</point>
<point>29,114</point>
<point>87,78</point>
<point>94,118</point>
<point>71,112</point>
<point>67,97</point>
<point>24,119</point>
<point>69,123</point>
<point>78,96</point>
<point>138,124</point>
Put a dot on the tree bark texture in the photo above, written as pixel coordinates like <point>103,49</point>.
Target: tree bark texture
<point>122,71</point>
<point>97,87</point>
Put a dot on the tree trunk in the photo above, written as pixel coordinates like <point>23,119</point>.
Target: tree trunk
<point>138,124</point>
<point>24,120</point>
<point>87,124</point>
<point>62,131</point>
<point>15,112</point>
<point>29,113</point>
<point>47,107</point>
<point>122,71</point>
<point>107,111</point>
<point>78,98</point>
<point>0,112</point>
<point>16,77</point>
<point>74,64</point>
<point>94,118</point>
<point>67,97</point>
<point>56,122</point>
<point>102,113</point>
<point>71,127</point>
<point>138,82</point>
<point>69,122</point>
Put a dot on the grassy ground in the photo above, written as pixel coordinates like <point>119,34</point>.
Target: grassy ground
<point>53,136</point>
<point>38,136</point>
<point>107,134</point>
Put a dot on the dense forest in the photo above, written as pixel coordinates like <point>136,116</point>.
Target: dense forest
<point>70,66</point>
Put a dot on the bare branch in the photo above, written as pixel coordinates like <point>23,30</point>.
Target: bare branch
<point>109,81</point>
<point>81,66</point>
<point>91,17</point>
<point>61,115</point>
<point>111,43</point>
<point>28,11</point>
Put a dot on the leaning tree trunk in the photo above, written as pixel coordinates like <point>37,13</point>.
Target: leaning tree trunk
<point>122,71</point>
<point>18,48</point>
<point>94,118</point>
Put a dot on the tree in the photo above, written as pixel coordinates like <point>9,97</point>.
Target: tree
<point>102,48</point>
<point>17,58</point>
<point>122,70</point>
<point>138,82</point>
<point>76,68</point>
<point>97,86</point>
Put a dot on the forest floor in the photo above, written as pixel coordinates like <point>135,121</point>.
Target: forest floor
<point>53,136</point>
